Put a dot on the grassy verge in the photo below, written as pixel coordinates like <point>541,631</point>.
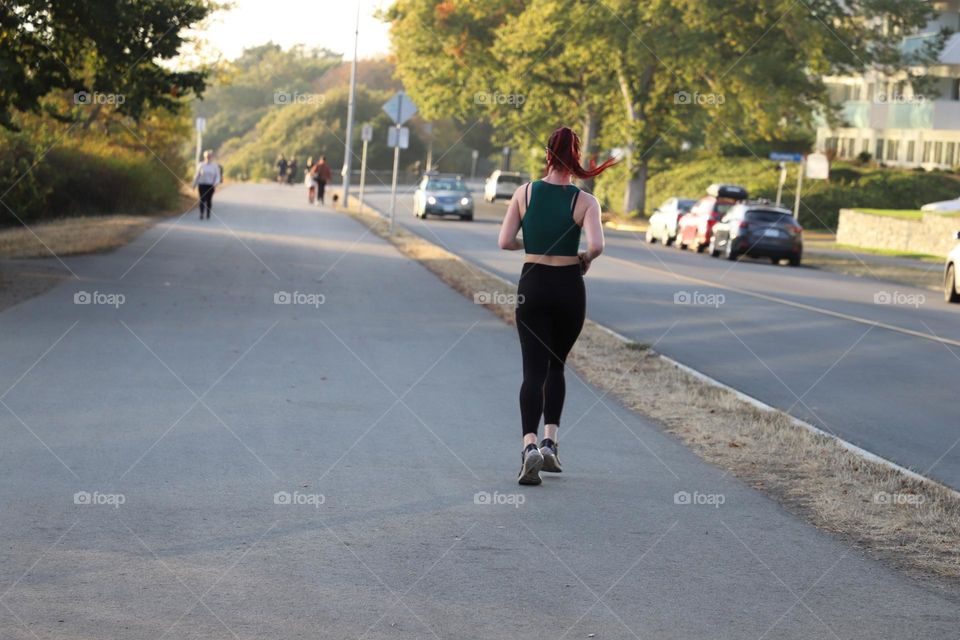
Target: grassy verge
<point>929,278</point>
<point>893,253</point>
<point>906,214</point>
<point>79,235</point>
<point>913,524</point>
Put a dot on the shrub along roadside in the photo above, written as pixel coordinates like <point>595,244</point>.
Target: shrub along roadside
<point>48,174</point>
<point>849,186</point>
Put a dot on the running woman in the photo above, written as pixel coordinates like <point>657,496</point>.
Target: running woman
<point>209,175</point>
<point>551,299</point>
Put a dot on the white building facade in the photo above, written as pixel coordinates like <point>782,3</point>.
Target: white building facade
<point>885,118</point>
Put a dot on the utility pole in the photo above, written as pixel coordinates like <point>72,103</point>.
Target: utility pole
<point>348,143</point>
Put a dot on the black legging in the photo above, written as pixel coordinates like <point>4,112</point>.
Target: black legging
<point>551,305</point>
<point>206,198</point>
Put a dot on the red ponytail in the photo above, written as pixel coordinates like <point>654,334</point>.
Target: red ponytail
<point>564,155</point>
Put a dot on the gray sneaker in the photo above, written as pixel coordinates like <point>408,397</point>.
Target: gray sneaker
<point>531,463</point>
<point>551,455</point>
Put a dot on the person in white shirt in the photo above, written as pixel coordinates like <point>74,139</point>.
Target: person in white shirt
<point>208,176</point>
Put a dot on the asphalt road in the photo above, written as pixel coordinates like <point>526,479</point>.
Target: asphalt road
<point>197,460</point>
<point>825,347</point>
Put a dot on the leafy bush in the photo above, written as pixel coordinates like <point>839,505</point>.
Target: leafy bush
<point>849,186</point>
<point>81,174</point>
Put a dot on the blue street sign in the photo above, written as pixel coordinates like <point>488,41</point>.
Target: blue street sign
<point>780,156</point>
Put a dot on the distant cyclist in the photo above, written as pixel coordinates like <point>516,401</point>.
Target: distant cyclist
<point>209,174</point>
<point>551,298</point>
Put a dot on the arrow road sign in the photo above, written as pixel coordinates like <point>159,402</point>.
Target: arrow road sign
<point>400,108</point>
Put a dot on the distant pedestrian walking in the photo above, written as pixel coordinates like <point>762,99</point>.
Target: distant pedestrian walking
<point>321,171</point>
<point>209,174</point>
<point>281,168</point>
<point>310,181</point>
<point>292,171</point>
<point>551,299</point>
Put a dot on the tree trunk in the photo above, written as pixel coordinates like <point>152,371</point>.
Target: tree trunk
<point>635,196</point>
<point>94,112</point>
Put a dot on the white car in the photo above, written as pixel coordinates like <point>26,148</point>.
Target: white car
<point>951,292</point>
<point>502,184</point>
<point>943,205</point>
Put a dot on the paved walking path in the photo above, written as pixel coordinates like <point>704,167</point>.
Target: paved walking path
<point>324,469</point>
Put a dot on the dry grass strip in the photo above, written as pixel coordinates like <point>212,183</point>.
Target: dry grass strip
<point>80,235</point>
<point>913,524</point>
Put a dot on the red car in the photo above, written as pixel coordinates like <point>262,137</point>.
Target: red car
<point>696,227</point>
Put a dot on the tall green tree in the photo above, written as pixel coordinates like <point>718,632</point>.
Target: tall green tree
<point>656,73</point>
<point>110,47</point>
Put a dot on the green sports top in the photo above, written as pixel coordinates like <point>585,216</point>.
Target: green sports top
<point>548,225</point>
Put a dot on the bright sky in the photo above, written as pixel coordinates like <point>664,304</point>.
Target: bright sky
<point>315,23</point>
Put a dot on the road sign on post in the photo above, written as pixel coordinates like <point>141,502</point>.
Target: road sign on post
<point>815,166</point>
<point>400,108</point>
<point>818,167</point>
<point>398,137</point>
<point>784,156</point>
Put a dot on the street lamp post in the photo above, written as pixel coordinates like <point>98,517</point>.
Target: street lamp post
<point>348,143</point>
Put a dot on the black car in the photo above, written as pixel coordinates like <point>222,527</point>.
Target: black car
<point>759,231</point>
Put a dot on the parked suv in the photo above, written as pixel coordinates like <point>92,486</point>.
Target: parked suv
<point>758,230</point>
<point>696,227</point>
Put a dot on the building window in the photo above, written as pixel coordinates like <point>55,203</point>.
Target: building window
<point>926,151</point>
<point>865,145</point>
<point>893,150</point>
<point>951,154</point>
<point>938,152</point>
<point>878,154</point>
<point>911,146</point>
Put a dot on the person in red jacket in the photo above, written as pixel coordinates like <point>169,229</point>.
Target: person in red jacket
<point>321,171</point>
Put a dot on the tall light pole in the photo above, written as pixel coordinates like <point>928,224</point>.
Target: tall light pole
<point>348,143</point>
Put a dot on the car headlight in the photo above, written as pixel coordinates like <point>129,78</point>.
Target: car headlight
<point>431,200</point>
<point>464,201</point>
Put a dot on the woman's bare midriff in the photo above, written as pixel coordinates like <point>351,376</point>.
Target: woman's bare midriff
<point>553,261</point>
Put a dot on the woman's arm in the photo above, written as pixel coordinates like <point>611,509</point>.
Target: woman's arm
<point>511,224</point>
<point>594,230</point>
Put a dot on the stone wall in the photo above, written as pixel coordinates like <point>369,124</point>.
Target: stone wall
<point>934,233</point>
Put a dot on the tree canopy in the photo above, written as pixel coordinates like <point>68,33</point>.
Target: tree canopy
<point>95,48</point>
<point>644,77</point>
